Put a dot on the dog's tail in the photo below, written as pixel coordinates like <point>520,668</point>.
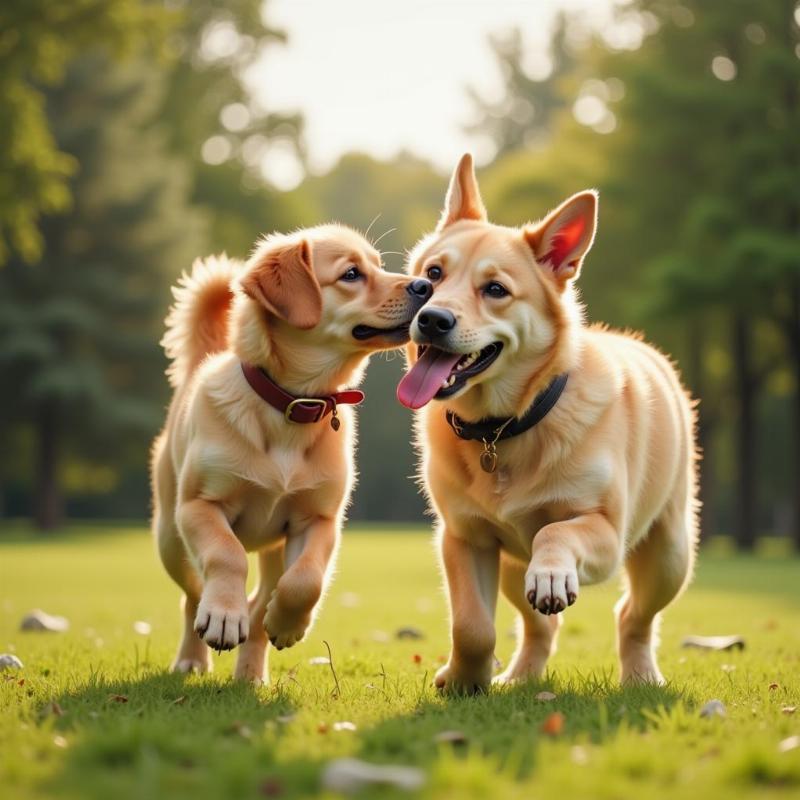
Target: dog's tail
<point>197,322</point>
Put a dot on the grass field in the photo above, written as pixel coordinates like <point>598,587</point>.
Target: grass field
<point>94,713</point>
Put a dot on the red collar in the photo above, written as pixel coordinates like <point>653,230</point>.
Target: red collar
<point>298,409</point>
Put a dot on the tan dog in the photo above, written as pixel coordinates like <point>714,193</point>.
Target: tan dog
<point>233,472</point>
<point>604,476</point>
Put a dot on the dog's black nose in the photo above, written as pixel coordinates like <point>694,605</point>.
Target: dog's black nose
<point>433,322</point>
<point>420,289</point>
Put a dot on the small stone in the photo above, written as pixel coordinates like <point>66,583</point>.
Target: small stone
<point>38,620</point>
<point>319,661</point>
<point>142,628</point>
<point>787,745</point>
<point>350,775</point>
<point>344,726</point>
<point>545,697</point>
<point>713,708</point>
<point>409,633</point>
<point>9,661</point>
<point>455,738</point>
<point>788,710</point>
<point>714,642</point>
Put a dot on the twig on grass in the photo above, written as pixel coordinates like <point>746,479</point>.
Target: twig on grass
<point>338,691</point>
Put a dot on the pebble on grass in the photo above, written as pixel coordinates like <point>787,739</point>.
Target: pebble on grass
<point>545,697</point>
<point>713,708</point>
<point>350,775</point>
<point>9,661</point>
<point>38,620</point>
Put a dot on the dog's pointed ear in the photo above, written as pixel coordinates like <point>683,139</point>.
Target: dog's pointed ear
<point>563,238</point>
<point>463,200</point>
<point>280,277</point>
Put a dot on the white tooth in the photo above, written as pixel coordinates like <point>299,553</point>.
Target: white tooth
<point>452,380</point>
<point>445,383</point>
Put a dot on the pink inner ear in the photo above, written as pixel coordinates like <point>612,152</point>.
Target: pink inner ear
<point>565,241</point>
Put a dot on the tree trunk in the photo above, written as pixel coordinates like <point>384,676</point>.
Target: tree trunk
<point>794,349</point>
<point>707,521</point>
<point>49,503</point>
<point>746,389</point>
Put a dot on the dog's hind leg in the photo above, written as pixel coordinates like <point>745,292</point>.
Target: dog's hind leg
<point>658,569</point>
<point>251,661</point>
<point>536,632</point>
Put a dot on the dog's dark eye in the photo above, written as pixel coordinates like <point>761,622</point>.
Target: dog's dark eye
<point>352,274</point>
<point>434,273</point>
<point>495,289</point>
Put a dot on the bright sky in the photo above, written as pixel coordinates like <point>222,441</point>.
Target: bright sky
<point>383,76</point>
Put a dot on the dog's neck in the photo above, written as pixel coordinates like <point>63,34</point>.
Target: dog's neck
<point>296,363</point>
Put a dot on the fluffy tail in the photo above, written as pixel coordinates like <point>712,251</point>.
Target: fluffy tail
<point>197,323</point>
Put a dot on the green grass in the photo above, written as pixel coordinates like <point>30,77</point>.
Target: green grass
<point>204,737</point>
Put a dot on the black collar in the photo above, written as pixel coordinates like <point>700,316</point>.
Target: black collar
<point>495,429</point>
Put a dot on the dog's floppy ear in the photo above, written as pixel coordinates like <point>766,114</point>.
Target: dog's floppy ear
<point>563,238</point>
<point>280,277</point>
<point>463,200</point>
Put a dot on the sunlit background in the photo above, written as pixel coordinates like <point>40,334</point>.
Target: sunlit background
<point>144,134</point>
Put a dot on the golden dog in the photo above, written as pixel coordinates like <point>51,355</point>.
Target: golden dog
<point>257,452</point>
<point>554,452</point>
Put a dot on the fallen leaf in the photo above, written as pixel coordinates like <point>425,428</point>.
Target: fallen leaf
<point>774,686</point>
<point>9,661</point>
<point>350,775</point>
<point>118,698</point>
<point>713,708</point>
<point>788,710</point>
<point>179,701</point>
<point>545,697</point>
<point>714,642</point>
<point>318,661</point>
<point>52,708</point>
<point>38,620</point>
<point>416,658</point>
<point>553,724</point>
<point>455,738</point>
<point>142,628</point>
<point>285,719</point>
<point>792,743</point>
<point>60,741</point>
<point>344,726</point>
<point>322,727</point>
<point>409,633</point>
<point>271,787</point>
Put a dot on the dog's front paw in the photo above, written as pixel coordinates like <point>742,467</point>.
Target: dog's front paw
<point>455,679</point>
<point>551,589</point>
<point>222,623</point>
<point>285,627</point>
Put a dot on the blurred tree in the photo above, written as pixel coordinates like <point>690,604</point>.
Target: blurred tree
<point>214,121</point>
<point>719,197</point>
<point>533,94</point>
<point>37,40</point>
<point>79,330</point>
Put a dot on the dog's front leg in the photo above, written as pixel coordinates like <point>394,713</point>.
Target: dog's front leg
<point>291,607</point>
<point>221,619</point>
<point>583,550</point>
<point>472,582</point>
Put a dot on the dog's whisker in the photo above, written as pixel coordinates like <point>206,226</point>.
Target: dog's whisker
<point>369,227</point>
<point>386,233</point>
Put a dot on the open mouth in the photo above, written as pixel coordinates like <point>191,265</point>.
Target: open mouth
<point>397,334</point>
<point>440,374</point>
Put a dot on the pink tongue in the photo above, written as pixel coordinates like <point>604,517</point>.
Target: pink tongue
<point>425,378</point>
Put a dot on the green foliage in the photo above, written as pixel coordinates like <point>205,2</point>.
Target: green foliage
<point>38,38</point>
<point>128,729</point>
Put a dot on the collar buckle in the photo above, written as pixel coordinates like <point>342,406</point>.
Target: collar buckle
<point>310,401</point>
